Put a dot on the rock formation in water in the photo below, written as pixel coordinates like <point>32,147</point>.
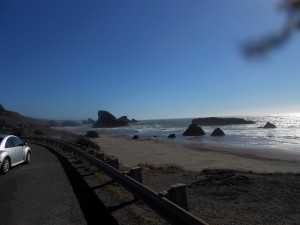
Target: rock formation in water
<point>106,119</point>
<point>193,130</point>
<point>217,132</point>
<point>268,125</point>
<point>216,121</point>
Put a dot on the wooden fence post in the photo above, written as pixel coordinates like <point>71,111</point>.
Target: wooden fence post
<point>114,163</point>
<point>177,194</point>
<point>135,173</point>
<point>100,156</point>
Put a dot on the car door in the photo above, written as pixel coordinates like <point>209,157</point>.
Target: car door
<point>15,152</point>
<point>18,148</point>
<point>9,147</point>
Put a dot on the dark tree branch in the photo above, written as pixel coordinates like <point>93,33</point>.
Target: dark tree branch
<point>270,42</point>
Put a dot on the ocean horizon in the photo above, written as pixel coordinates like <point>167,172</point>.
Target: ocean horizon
<point>286,136</point>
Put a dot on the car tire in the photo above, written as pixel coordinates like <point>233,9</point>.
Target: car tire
<point>5,166</point>
<point>28,158</point>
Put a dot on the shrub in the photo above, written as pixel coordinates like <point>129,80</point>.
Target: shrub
<point>83,141</point>
<point>92,134</point>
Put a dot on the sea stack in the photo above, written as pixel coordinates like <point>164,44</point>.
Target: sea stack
<point>217,132</point>
<point>269,125</point>
<point>193,130</point>
<point>106,119</point>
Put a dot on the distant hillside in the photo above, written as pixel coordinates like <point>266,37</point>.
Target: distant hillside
<point>15,123</point>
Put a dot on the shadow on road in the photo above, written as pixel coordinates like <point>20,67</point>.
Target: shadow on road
<point>93,209</point>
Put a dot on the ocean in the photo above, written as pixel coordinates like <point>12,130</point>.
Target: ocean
<point>286,136</point>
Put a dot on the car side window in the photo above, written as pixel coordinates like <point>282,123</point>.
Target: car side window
<point>9,143</point>
<point>16,141</point>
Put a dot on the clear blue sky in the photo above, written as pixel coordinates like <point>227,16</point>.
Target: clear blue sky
<point>147,59</point>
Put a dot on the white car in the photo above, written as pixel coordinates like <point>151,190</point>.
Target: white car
<point>13,151</point>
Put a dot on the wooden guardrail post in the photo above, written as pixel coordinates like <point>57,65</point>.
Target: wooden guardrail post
<point>100,156</point>
<point>177,194</point>
<point>113,163</point>
<point>135,173</point>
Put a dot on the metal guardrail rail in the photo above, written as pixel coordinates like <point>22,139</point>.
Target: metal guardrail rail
<point>164,207</point>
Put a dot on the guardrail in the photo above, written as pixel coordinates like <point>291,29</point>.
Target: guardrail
<point>162,203</point>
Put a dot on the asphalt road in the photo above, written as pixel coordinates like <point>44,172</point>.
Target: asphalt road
<point>48,191</point>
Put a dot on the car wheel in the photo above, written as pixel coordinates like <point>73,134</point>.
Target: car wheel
<point>28,158</point>
<point>5,165</point>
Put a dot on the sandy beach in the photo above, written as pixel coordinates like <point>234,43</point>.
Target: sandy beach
<point>224,184</point>
<point>195,156</point>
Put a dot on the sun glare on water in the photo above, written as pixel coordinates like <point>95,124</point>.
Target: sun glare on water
<point>295,114</point>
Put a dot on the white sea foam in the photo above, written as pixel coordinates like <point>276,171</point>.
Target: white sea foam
<point>285,136</point>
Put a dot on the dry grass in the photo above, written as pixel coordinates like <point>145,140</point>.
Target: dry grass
<point>168,168</point>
